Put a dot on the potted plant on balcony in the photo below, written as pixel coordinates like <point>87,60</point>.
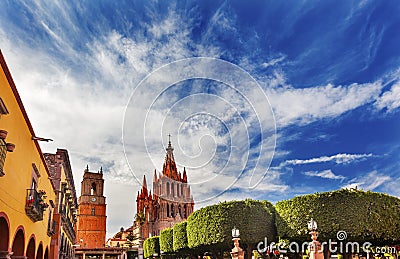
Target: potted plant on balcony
<point>10,147</point>
<point>3,134</point>
<point>42,194</point>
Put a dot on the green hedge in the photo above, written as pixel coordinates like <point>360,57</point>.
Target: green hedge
<point>167,240</point>
<point>180,240</point>
<point>365,216</point>
<point>211,227</point>
<point>151,246</point>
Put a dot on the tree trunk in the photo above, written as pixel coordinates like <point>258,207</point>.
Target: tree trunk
<point>249,252</point>
<point>327,252</point>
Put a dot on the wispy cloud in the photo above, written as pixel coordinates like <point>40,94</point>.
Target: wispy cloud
<point>370,181</point>
<point>273,62</point>
<point>328,174</point>
<point>302,106</point>
<point>390,100</point>
<point>338,159</point>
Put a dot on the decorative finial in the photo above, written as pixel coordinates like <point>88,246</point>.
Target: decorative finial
<point>101,170</point>
<point>87,168</point>
<point>169,139</point>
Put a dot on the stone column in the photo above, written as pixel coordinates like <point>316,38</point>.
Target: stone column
<point>237,251</point>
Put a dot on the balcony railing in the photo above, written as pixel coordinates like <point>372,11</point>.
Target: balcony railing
<point>35,205</point>
<point>52,228</point>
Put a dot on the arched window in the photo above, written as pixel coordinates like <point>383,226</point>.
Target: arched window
<point>168,188</point>
<point>167,210</point>
<point>93,189</point>
<point>172,189</point>
<point>172,210</point>
<point>184,211</point>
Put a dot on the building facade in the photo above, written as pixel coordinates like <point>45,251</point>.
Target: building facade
<point>27,198</point>
<point>170,203</point>
<point>66,205</point>
<point>91,224</point>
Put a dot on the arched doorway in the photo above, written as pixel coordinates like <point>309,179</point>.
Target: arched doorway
<point>30,250</point>
<point>39,254</point>
<point>4,234</point>
<point>18,243</point>
<point>46,254</point>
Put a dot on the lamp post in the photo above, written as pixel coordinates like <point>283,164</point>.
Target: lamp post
<point>314,247</point>
<point>237,252</point>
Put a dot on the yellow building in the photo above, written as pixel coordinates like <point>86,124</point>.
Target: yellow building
<point>27,199</point>
<point>65,211</point>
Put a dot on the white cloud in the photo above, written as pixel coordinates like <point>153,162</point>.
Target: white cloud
<point>370,181</point>
<point>338,159</point>
<point>328,174</point>
<point>302,106</point>
<point>273,62</point>
<point>390,99</point>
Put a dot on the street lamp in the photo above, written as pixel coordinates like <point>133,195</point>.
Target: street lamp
<point>237,252</point>
<point>235,232</point>
<point>315,249</point>
<point>312,225</point>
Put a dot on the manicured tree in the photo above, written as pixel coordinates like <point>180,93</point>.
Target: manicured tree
<point>364,216</point>
<point>209,229</point>
<point>166,241</point>
<point>180,241</point>
<point>151,246</point>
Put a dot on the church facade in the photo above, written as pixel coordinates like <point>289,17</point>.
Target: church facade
<point>171,201</point>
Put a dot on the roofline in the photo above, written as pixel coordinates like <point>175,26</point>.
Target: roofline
<point>22,108</point>
<point>70,176</point>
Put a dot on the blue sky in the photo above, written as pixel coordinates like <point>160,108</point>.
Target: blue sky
<point>324,85</point>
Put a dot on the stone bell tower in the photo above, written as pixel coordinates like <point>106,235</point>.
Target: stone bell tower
<point>91,225</point>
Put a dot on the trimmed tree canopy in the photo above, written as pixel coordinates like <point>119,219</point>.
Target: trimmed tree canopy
<point>180,241</point>
<point>211,227</point>
<point>151,246</point>
<point>166,240</point>
<point>365,216</point>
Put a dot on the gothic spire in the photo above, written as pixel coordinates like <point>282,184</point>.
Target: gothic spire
<point>144,186</point>
<point>170,149</point>
<point>184,177</point>
<point>155,176</point>
<point>169,167</point>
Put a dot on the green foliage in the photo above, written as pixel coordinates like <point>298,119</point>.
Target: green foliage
<point>180,241</point>
<point>140,218</point>
<point>211,227</point>
<point>365,216</point>
<point>151,246</point>
<point>167,240</point>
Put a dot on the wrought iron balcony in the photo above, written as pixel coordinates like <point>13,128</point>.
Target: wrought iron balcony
<point>35,205</point>
<point>51,230</point>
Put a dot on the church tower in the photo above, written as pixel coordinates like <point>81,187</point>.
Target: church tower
<point>171,201</point>
<point>91,225</point>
